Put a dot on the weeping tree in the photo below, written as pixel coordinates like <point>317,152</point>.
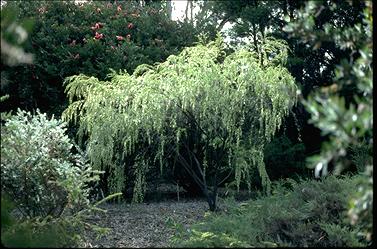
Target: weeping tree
<point>204,111</point>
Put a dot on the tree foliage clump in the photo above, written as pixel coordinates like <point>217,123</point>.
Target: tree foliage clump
<point>202,109</point>
<point>118,35</point>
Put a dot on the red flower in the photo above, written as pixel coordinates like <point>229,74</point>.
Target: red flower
<point>96,26</point>
<point>98,36</point>
<point>130,25</point>
<point>119,37</point>
<point>119,8</point>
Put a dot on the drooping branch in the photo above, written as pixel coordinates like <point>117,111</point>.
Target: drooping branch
<point>221,103</point>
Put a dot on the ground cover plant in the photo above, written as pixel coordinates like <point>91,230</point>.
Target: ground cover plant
<point>298,214</point>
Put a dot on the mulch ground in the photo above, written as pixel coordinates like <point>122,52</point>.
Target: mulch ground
<point>145,224</point>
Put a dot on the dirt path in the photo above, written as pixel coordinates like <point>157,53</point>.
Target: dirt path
<point>145,225</point>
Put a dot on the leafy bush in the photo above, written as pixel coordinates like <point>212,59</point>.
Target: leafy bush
<point>33,232</point>
<point>284,159</point>
<point>118,35</point>
<point>38,170</point>
<point>345,116</point>
<point>361,205</point>
<point>307,213</point>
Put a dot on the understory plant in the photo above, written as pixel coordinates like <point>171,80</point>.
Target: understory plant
<point>202,110</point>
<point>295,215</point>
<point>38,169</point>
<point>47,182</point>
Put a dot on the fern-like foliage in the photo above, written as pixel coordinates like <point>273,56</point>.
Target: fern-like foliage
<point>229,106</point>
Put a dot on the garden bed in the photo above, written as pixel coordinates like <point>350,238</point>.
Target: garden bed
<point>145,224</point>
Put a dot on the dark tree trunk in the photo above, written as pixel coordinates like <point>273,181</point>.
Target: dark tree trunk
<point>211,199</point>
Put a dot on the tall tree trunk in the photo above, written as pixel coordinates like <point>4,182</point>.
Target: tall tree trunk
<point>169,8</point>
<point>186,10</point>
<point>191,10</point>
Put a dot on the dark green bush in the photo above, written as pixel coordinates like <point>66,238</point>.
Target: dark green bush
<point>64,43</point>
<point>283,158</point>
<point>37,232</point>
<point>312,213</point>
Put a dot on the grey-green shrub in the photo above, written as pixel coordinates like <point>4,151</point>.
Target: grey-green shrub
<point>38,170</point>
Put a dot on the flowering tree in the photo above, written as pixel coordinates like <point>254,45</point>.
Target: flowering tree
<point>118,35</point>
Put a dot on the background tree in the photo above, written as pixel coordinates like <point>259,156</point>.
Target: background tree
<point>118,35</point>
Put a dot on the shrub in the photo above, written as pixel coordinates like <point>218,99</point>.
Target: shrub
<point>38,170</point>
<point>312,213</point>
<point>283,158</point>
<point>33,232</point>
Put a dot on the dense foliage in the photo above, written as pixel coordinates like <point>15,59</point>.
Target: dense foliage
<point>282,149</point>
<point>13,36</point>
<point>347,120</point>
<point>38,170</point>
<point>44,184</point>
<point>35,232</point>
<point>207,111</point>
<point>298,214</point>
<point>118,35</point>
<point>36,215</point>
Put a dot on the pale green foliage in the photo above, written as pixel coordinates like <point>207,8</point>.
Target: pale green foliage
<point>38,169</point>
<point>233,103</point>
